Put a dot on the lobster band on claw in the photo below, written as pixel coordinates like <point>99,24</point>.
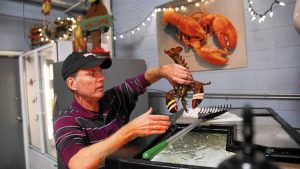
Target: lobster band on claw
<point>198,96</point>
<point>172,106</point>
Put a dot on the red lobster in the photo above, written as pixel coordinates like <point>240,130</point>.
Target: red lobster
<point>194,28</point>
<point>181,91</point>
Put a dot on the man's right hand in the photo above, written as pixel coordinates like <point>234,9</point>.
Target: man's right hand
<point>148,124</point>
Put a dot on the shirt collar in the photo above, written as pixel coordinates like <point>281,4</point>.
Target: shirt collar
<point>80,111</point>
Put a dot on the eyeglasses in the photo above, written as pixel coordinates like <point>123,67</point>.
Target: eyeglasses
<point>92,74</point>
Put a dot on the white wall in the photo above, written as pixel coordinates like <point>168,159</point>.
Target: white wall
<point>273,50</point>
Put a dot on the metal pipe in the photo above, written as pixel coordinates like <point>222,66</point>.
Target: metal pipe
<point>73,6</point>
<point>239,96</point>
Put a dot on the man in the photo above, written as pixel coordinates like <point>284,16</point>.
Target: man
<point>96,124</point>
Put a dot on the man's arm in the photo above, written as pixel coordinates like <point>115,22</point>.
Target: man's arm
<point>91,157</point>
<point>174,73</point>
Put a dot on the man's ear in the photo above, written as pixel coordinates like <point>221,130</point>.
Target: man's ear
<point>71,83</point>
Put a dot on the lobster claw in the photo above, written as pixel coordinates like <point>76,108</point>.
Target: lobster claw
<point>172,106</point>
<point>214,56</point>
<point>211,55</point>
<point>197,99</point>
<point>225,32</point>
<point>171,103</point>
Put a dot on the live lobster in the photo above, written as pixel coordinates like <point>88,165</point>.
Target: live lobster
<point>194,28</point>
<point>181,91</point>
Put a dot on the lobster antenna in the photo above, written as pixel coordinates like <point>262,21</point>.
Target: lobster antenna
<point>178,100</point>
<point>207,83</point>
<point>157,90</point>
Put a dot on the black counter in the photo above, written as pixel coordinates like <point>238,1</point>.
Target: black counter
<point>284,148</point>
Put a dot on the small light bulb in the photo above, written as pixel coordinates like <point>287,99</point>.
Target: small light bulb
<point>251,2</point>
<point>281,3</point>
<point>115,38</point>
<point>143,24</point>
<point>107,37</point>
<point>176,9</point>
<point>132,32</point>
<point>121,36</point>
<point>249,9</point>
<point>253,18</point>
<point>271,14</point>
<point>148,19</point>
<point>197,4</point>
<point>138,28</point>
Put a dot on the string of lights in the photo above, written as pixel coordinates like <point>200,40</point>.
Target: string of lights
<point>149,17</point>
<point>262,16</point>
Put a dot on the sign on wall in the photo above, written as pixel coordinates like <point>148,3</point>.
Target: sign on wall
<point>212,33</point>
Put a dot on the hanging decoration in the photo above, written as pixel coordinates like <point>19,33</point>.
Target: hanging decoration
<point>60,29</point>
<point>79,42</point>
<point>97,22</point>
<point>36,37</point>
<point>262,16</point>
<point>46,7</point>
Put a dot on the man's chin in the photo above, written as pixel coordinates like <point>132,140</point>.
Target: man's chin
<point>100,95</point>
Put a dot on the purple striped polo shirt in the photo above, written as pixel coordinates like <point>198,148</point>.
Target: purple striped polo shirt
<point>77,127</point>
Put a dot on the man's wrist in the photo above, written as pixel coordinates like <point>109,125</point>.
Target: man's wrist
<point>160,72</point>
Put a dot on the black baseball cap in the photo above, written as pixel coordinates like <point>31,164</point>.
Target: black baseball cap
<point>79,60</point>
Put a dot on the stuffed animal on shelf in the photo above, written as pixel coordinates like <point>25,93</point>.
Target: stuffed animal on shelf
<point>97,8</point>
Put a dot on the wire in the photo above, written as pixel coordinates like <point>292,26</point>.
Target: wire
<point>262,15</point>
<point>23,22</point>
<point>157,90</point>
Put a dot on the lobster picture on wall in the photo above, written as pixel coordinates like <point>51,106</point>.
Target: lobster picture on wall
<point>194,29</point>
<point>212,33</point>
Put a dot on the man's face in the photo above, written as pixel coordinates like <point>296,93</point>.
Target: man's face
<point>88,83</point>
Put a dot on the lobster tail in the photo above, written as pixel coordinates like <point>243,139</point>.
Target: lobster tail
<point>185,24</point>
<point>173,53</point>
